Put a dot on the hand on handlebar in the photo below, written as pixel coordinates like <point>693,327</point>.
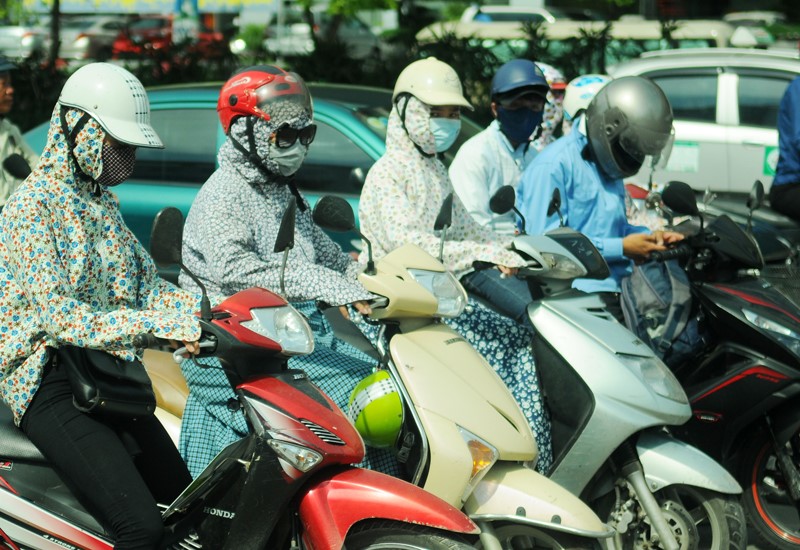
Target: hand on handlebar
<point>192,348</point>
<point>507,271</point>
<point>361,306</point>
<point>638,246</point>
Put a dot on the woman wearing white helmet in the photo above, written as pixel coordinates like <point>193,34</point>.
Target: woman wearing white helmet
<point>399,203</point>
<point>550,129</point>
<point>74,274</point>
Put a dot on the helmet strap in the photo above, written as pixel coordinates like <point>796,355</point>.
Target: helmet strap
<point>402,113</point>
<point>255,160</point>
<point>69,138</point>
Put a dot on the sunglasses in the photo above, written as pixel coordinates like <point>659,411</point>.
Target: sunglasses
<point>285,135</point>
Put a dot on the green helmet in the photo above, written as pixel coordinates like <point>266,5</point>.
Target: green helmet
<point>376,410</point>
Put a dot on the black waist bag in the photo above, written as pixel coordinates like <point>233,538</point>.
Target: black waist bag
<point>105,384</point>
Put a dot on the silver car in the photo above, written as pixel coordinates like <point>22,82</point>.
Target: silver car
<point>725,103</point>
<point>90,37</point>
<point>23,40</point>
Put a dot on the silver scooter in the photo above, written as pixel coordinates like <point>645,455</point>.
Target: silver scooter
<point>610,398</point>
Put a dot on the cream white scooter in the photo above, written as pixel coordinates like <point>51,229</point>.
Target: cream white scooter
<point>465,439</point>
<point>610,399</point>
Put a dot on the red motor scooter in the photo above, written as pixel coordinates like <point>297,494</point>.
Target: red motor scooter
<point>288,485</point>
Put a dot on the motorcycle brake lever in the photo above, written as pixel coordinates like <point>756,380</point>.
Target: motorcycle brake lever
<point>178,354</point>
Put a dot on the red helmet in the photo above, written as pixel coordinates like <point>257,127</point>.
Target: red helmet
<point>253,91</point>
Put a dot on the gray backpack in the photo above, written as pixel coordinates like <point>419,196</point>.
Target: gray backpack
<point>657,305</point>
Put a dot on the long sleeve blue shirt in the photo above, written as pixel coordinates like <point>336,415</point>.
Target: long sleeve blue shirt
<point>590,203</point>
<point>788,169</point>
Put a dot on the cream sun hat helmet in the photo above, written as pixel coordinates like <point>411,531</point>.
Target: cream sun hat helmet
<point>431,81</point>
<point>116,99</point>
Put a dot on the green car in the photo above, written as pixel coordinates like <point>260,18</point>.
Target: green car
<point>351,130</point>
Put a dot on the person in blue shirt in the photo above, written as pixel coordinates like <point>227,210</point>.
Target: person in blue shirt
<point>784,195</point>
<point>629,119</point>
<point>495,158</point>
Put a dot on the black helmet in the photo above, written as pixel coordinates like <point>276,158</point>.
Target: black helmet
<point>516,78</point>
<point>627,120</point>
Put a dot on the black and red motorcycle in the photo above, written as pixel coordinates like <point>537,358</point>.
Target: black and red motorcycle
<point>288,485</point>
<point>745,387</point>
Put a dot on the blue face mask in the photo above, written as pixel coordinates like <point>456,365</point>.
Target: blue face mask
<point>519,124</point>
<point>445,131</point>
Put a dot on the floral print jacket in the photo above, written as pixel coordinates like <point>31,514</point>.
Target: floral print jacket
<point>404,191</point>
<point>71,272</point>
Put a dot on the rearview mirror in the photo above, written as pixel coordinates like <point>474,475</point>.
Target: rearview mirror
<point>16,165</point>
<point>334,214</point>
<point>679,197</point>
<point>445,217</point>
<point>285,239</point>
<point>166,237</point>
<point>555,203</point>
<point>756,198</point>
<point>503,200</point>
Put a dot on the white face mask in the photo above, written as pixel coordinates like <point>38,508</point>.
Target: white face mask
<point>290,159</point>
<point>445,131</point>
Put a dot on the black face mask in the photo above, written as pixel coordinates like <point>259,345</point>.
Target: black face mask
<point>118,164</point>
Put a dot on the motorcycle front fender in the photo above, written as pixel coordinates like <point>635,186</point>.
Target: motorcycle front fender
<point>668,461</point>
<point>512,492</point>
<point>332,503</point>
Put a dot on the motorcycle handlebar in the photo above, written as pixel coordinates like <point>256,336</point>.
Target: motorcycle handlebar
<point>680,251</point>
<point>147,340</point>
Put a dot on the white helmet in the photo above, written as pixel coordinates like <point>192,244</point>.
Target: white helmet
<point>431,81</point>
<point>116,99</point>
<point>580,91</point>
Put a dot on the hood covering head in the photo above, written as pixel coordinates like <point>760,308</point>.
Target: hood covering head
<point>409,125</point>
<point>81,165</point>
<point>252,157</point>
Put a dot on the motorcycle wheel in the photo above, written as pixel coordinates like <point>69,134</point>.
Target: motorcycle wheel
<point>772,516</point>
<point>523,537</point>
<point>393,535</point>
<point>700,520</point>
<point>718,518</point>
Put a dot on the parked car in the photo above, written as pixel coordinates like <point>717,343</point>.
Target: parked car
<point>23,40</point>
<point>725,103</point>
<point>351,131</point>
<point>157,33</point>
<point>494,14</point>
<point>294,35</point>
<point>628,38</point>
<point>89,37</point>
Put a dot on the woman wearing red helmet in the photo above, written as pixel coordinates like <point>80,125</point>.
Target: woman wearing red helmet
<point>229,236</point>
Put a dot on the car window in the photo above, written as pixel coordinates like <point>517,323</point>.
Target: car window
<point>759,97</point>
<point>693,97</point>
<point>334,163</point>
<point>509,16</point>
<point>190,147</point>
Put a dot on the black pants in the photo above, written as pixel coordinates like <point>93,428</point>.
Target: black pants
<point>786,199</point>
<point>92,458</point>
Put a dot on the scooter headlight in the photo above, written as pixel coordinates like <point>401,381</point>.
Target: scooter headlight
<point>484,456</point>
<point>657,375</point>
<point>284,325</point>
<point>785,335</point>
<point>450,295</point>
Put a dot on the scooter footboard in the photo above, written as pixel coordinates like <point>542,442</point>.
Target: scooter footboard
<point>668,461</point>
<point>512,492</point>
<point>332,504</point>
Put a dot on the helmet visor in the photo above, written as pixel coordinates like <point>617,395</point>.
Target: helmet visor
<point>638,141</point>
<point>284,99</point>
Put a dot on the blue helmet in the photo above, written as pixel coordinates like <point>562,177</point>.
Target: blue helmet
<point>518,77</point>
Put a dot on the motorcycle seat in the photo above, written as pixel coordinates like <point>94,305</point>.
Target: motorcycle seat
<point>14,444</point>
<point>169,385</point>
